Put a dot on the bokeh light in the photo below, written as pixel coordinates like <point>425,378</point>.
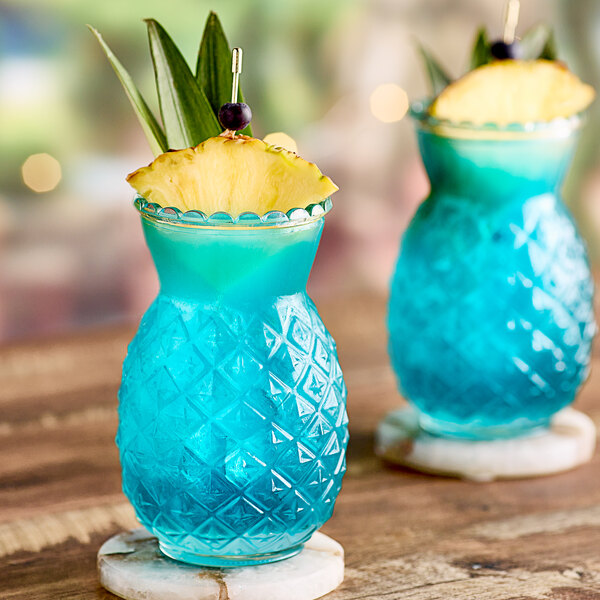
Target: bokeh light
<point>41,172</point>
<point>388,102</point>
<point>281,140</point>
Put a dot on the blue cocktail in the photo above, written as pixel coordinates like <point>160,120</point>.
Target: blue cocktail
<point>233,425</point>
<point>490,317</point>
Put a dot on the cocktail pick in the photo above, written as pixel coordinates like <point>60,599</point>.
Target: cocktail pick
<point>234,115</point>
<point>508,47</point>
<point>511,20</point>
<point>236,68</point>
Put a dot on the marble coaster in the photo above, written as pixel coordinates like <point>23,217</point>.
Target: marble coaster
<point>568,443</point>
<point>132,567</point>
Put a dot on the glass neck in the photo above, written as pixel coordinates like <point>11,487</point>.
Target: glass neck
<point>507,168</point>
<point>233,265</point>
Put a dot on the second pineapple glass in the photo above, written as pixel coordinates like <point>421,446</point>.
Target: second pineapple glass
<point>490,316</point>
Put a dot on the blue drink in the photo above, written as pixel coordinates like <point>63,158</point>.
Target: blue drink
<point>233,425</point>
<point>490,317</point>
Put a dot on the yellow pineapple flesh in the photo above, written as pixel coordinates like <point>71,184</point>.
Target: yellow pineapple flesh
<point>513,91</point>
<point>234,175</point>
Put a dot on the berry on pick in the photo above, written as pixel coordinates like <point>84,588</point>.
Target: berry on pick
<point>508,48</point>
<point>502,51</point>
<point>235,115</point>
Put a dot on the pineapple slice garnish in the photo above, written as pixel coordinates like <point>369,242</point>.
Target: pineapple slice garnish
<point>513,91</point>
<point>234,175</point>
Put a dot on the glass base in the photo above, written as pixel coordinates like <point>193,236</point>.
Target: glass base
<point>568,443</point>
<point>130,566</point>
<point>204,560</point>
<point>518,428</point>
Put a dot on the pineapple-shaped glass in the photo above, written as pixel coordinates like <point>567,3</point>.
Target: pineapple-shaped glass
<point>490,316</point>
<point>233,424</point>
<point>232,406</point>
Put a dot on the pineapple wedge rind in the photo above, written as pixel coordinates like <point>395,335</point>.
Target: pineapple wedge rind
<point>513,91</point>
<point>232,175</point>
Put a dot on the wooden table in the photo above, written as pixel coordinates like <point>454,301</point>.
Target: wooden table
<point>406,535</point>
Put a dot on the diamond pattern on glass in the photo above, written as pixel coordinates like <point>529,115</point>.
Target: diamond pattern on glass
<point>233,425</point>
<point>491,319</point>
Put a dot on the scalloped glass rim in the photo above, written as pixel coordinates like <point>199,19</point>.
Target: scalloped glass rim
<point>273,218</point>
<point>419,111</point>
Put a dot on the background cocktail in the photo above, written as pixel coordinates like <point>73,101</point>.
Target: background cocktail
<point>491,317</point>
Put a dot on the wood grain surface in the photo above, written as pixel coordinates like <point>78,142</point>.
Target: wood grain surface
<point>406,535</point>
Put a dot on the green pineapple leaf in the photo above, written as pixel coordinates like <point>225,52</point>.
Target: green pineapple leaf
<point>152,130</point>
<point>213,69</point>
<point>550,50</point>
<point>186,112</point>
<point>438,79</point>
<point>535,40</point>
<point>481,53</point>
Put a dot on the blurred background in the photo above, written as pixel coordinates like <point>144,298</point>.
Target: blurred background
<point>336,76</point>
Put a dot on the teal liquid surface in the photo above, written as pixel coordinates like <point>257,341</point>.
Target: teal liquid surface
<point>233,425</point>
<point>490,315</point>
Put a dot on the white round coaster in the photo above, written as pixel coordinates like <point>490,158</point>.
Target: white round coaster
<point>132,567</point>
<point>568,443</point>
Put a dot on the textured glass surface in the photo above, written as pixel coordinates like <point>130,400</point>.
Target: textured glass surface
<point>233,425</point>
<point>490,315</point>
